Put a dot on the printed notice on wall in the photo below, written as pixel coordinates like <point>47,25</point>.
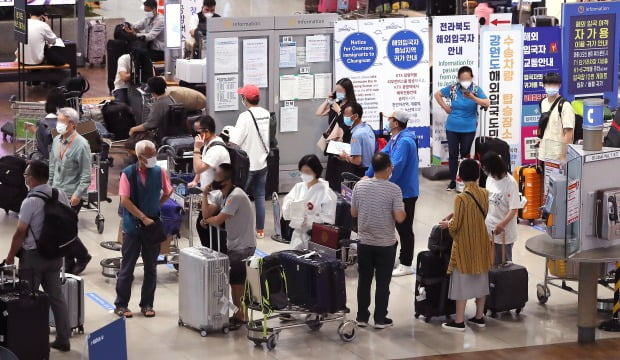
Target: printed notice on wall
<point>318,48</point>
<point>289,118</point>
<point>288,54</point>
<point>288,87</point>
<point>226,97</point>
<point>226,59</point>
<point>255,62</point>
<point>572,205</point>
<point>322,85</point>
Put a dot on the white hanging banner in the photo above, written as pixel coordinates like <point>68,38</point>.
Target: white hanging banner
<point>188,9</point>
<point>455,44</point>
<point>501,77</point>
<point>388,62</point>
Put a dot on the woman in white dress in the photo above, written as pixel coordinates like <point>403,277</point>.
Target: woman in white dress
<point>308,202</point>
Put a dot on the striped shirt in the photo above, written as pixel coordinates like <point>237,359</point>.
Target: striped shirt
<point>471,250</point>
<point>376,201</point>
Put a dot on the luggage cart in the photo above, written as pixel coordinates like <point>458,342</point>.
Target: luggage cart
<point>95,196</point>
<point>147,102</point>
<point>349,246</point>
<point>25,113</point>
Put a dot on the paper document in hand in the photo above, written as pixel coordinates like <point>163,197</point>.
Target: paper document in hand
<point>337,147</point>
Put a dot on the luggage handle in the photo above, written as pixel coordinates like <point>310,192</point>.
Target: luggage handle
<point>13,268</point>
<point>503,246</point>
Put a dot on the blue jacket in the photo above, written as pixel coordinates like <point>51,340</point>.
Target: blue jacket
<point>404,155</point>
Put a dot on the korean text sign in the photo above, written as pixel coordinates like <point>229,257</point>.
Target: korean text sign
<point>501,74</point>
<point>20,22</point>
<point>388,62</point>
<point>541,55</point>
<point>591,45</point>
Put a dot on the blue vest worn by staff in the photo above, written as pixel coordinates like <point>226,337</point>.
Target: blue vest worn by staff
<point>146,198</point>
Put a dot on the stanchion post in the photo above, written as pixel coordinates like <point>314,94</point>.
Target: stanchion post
<point>613,324</point>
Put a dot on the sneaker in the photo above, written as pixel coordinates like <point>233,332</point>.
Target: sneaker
<point>454,326</point>
<point>61,346</point>
<point>260,234</point>
<point>451,186</point>
<point>396,263</point>
<point>361,323</point>
<point>477,322</point>
<point>403,270</point>
<point>386,323</point>
<point>80,265</point>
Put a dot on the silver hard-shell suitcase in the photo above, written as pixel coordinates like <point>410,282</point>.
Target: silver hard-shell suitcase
<point>73,291</point>
<point>203,289</point>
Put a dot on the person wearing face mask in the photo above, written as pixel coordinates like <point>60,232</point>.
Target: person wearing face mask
<point>152,30</point>
<point>153,189</point>
<point>333,107</point>
<point>207,154</point>
<point>198,26</point>
<point>157,115</point>
<point>403,151</point>
<point>378,205</point>
<point>252,136</point>
<point>70,167</point>
<point>319,202</point>
<point>465,97</point>
<point>230,205</point>
<point>559,130</point>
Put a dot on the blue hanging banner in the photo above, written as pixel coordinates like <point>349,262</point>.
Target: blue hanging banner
<point>590,47</point>
<point>109,342</point>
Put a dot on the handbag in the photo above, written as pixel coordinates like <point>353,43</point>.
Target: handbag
<point>153,234</point>
<point>333,132</point>
<point>271,153</point>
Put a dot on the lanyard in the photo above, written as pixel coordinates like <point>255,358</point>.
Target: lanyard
<point>60,149</point>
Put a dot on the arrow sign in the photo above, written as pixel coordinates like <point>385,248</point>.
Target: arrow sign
<point>500,21</point>
<point>496,22</point>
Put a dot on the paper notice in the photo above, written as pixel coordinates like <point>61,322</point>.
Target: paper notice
<point>337,147</point>
<point>305,86</point>
<point>289,118</point>
<point>572,203</point>
<point>322,85</point>
<point>226,59</point>
<point>288,55</point>
<point>255,62</point>
<point>301,55</point>
<point>318,48</point>
<point>226,97</point>
<point>288,87</point>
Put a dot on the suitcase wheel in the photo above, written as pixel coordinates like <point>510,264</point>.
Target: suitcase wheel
<point>225,330</point>
<point>314,322</point>
<point>428,319</point>
<point>272,341</point>
<point>416,315</point>
<point>203,333</point>
<point>181,324</point>
<point>347,330</point>
<point>80,329</point>
<point>542,293</point>
<point>518,311</point>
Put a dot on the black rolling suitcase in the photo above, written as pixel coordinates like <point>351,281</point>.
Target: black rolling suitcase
<point>507,287</point>
<point>175,124</point>
<point>343,219</point>
<point>313,282</point>
<point>118,119</point>
<point>181,145</point>
<point>440,240</point>
<point>12,183</point>
<point>273,173</point>
<point>432,285</point>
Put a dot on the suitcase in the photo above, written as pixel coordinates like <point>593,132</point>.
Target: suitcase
<point>171,215</point>
<point>330,6</point>
<point>212,235</point>
<point>273,173</point>
<point>114,50</point>
<point>175,124</point>
<point>8,130</point>
<point>24,325</point>
<point>530,180</point>
<point>73,291</point>
<point>432,285</point>
<point>118,119</point>
<point>12,183</point>
<point>440,240</point>
<point>328,235</point>
<point>485,144</point>
<point>343,219</point>
<point>203,289</point>
<point>314,283</point>
<point>507,287</point>
<point>95,42</point>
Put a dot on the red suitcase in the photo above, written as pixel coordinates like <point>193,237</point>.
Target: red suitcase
<point>326,235</point>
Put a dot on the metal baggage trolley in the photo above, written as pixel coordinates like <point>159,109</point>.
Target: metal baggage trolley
<point>25,113</point>
<point>96,192</point>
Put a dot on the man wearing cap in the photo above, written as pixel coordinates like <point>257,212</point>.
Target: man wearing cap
<point>403,151</point>
<point>252,136</point>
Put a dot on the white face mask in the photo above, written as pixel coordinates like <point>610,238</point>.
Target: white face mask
<point>151,162</point>
<point>466,84</point>
<point>61,128</point>
<point>149,14</point>
<point>306,178</point>
<point>208,14</point>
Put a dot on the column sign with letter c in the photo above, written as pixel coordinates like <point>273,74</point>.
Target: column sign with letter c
<point>593,113</point>
<point>20,23</point>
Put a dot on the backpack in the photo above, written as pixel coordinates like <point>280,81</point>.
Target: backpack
<point>77,84</point>
<point>59,227</point>
<point>240,163</point>
<point>544,116</point>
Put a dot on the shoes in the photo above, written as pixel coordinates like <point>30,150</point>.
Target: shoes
<point>477,322</point>
<point>235,323</point>
<point>454,326</point>
<point>80,265</point>
<point>396,263</point>
<point>403,270</point>
<point>362,323</point>
<point>61,346</point>
<point>260,234</point>
<point>386,323</point>
<point>451,186</point>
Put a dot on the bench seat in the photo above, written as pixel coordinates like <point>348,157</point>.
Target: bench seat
<point>13,67</point>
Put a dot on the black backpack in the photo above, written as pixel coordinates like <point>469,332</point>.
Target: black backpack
<point>240,163</point>
<point>544,116</point>
<point>59,227</point>
<point>118,119</point>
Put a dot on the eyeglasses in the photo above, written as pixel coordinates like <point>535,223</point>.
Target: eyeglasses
<point>26,175</point>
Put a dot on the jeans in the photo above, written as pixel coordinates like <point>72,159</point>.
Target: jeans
<point>256,188</point>
<point>498,253</point>
<point>375,261</point>
<point>132,247</point>
<point>458,143</point>
<point>405,232</point>
<point>39,271</point>
<point>121,95</point>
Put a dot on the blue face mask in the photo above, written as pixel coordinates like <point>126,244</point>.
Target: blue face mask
<point>348,121</point>
<point>387,128</point>
<point>340,96</point>
<point>552,91</point>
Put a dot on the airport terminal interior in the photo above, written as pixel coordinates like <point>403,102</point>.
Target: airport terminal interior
<point>539,331</point>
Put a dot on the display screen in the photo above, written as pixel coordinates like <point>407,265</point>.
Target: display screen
<point>173,25</point>
<point>39,2</point>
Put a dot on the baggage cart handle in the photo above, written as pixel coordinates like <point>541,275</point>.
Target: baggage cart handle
<point>12,267</point>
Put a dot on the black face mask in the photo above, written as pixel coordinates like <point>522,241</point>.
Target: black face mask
<point>195,133</point>
<point>216,185</point>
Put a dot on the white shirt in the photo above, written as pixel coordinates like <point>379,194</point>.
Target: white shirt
<point>552,143</point>
<point>124,64</point>
<point>39,34</point>
<point>213,157</point>
<point>320,208</point>
<point>193,22</point>
<point>246,136</point>
<point>503,197</point>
